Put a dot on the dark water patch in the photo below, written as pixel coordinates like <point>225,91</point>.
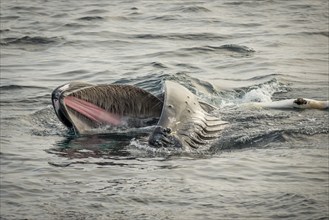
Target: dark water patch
<point>234,140</point>
<point>96,11</point>
<point>97,4</point>
<point>27,40</point>
<point>103,163</point>
<point>270,78</point>
<point>194,9</point>
<point>9,17</point>
<point>165,17</point>
<point>300,6</point>
<point>308,33</point>
<point>105,34</point>
<point>235,3</point>
<point>106,146</point>
<point>119,18</point>
<point>322,33</point>
<point>18,87</point>
<point>70,151</point>
<point>159,65</point>
<point>135,14</point>
<point>227,47</point>
<point>251,24</point>
<point>4,30</point>
<point>188,66</point>
<point>74,25</point>
<point>60,15</point>
<point>26,8</point>
<point>91,18</point>
<point>187,36</point>
<point>263,135</point>
<point>236,48</point>
<point>201,49</point>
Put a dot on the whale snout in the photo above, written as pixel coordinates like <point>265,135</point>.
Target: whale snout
<point>56,99</point>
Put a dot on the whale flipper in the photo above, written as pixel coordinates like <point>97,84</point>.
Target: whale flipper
<point>299,103</point>
<point>183,121</point>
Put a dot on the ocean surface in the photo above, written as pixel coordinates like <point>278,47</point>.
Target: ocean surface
<point>268,164</point>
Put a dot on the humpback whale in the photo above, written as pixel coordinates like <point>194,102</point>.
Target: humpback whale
<point>178,117</point>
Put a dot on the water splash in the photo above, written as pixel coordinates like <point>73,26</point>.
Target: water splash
<point>263,93</point>
<point>258,93</point>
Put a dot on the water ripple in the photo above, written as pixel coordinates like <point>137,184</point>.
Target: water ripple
<point>27,40</point>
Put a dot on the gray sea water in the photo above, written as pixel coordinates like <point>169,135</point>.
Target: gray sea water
<point>268,164</point>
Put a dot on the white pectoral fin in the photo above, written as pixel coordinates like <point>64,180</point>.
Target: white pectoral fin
<point>314,104</point>
<point>300,103</point>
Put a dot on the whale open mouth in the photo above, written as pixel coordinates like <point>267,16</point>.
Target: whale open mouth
<point>92,112</point>
<point>180,119</point>
<point>83,106</point>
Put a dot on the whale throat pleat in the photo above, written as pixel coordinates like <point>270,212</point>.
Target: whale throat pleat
<point>122,100</point>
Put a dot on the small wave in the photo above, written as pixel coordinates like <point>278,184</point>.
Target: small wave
<point>233,140</point>
<point>194,9</point>
<point>236,48</point>
<point>166,17</point>
<point>4,30</point>
<point>190,9</point>
<point>27,40</point>
<point>18,87</point>
<point>73,75</point>
<point>227,50</point>
<point>90,18</point>
<point>187,36</point>
<point>74,25</point>
<point>235,3</point>
<point>262,129</point>
<point>142,149</point>
<point>264,77</point>
<point>195,85</point>
<point>228,47</point>
<point>323,33</point>
<point>309,33</point>
<point>10,17</point>
<point>26,8</point>
<point>150,82</point>
<point>97,11</point>
<point>158,65</point>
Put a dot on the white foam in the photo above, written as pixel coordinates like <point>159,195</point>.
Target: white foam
<point>261,93</point>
